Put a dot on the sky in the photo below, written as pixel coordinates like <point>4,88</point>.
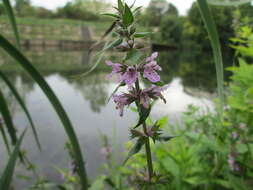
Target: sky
<point>182,5</point>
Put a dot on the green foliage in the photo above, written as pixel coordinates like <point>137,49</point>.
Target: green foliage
<point>171,29</point>
<point>243,43</point>
<point>75,11</point>
<point>156,10</point>
<point>240,98</point>
<point>2,11</point>
<point>6,178</point>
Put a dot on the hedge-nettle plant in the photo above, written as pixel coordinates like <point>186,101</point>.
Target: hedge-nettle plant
<point>134,67</point>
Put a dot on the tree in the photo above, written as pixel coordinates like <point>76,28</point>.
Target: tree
<point>1,8</point>
<point>20,4</point>
<point>153,14</point>
<point>171,30</point>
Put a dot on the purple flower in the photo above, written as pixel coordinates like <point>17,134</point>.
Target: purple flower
<point>130,76</point>
<point>153,92</point>
<point>232,163</point>
<point>105,151</point>
<point>116,68</point>
<point>152,57</point>
<point>235,135</point>
<point>122,101</point>
<point>151,67</point>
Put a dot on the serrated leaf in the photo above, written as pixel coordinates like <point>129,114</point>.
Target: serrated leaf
<point>137,9</point>
<point>133,4</point>
<point>143,115</point>
<point>120,6</point>
<point>111,15</point>
<point>162,122</point>
<point>165,138</point>
<point>160,83</point>
<point>142,34</point>
<point>113,44</point>
<point>128,17</point>
<point>137,147</point>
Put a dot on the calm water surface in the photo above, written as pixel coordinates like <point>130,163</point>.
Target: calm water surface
<point>86,103</point>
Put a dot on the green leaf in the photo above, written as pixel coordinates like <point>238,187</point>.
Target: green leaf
<point>228,2</point>
<point>162,122</point>
<point>223,183</point>
<point>6,178</point>
<point>111,15</point>
<point>101,55</point>
<point>238,183</point>
<point>136,148</point>
<point>120,6</point>
<point>21,103</point>
<point>98,184</point>
<point>113,44</point>
<point>215,43</point>
<point>142,34</point>
<point>241,148</point>
<point>25,63</point>
<point>143,113</point>
<point>137,9</point>
<point>194,180</point>
<point>12,19</point>
<point>134,57</point>
<point>4,138</point>
<point>7,118</point>
<point>128,17</point>
<point>165,138</point>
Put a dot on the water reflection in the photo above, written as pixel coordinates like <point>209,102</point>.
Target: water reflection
<point>85,101</point>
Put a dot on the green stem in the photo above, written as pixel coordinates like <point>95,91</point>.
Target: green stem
<point>147,143</point>
<point>148,154</point>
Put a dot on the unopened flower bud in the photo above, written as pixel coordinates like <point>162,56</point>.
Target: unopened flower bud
<point>130,43</point>
<point>136,133</point>
<point>138,46</point>
<point>120,31</point>
<point>132,30</point>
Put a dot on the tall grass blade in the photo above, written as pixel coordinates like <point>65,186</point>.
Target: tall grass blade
<point>215,43</point>
<point>7,118</point>
<point>6,178</point>
<point>12,19</point>
<point>22,104</point>
<point>2,131</point>
<point>25,63</point>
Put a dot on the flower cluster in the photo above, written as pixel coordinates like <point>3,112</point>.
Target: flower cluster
<point>129,76</point>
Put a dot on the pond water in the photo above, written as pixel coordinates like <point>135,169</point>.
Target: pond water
<point>85,101</point>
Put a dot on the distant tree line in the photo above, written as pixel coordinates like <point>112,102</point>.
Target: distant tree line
<point>78,9</point>
<point>194,58</point>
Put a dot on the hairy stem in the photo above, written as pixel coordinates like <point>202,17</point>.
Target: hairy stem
<point>148,154</point>
<point>147,143</point>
